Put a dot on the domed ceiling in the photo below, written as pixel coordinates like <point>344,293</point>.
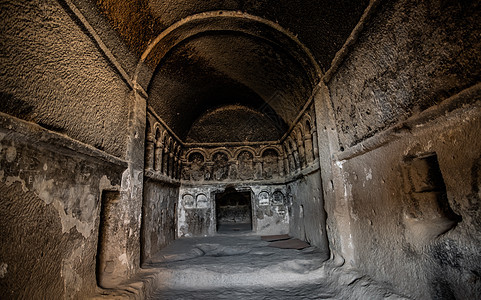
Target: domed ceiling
<point>260,65</point>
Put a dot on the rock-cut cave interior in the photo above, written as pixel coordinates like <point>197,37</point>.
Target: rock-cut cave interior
<point>240,149</point>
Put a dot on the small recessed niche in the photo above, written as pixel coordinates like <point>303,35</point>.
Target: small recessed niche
<point>428,213</point>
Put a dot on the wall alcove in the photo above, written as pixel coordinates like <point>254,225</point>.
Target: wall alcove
<point>233,210</point>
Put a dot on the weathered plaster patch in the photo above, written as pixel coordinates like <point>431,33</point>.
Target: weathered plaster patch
<point>42,188</point>
<point>81,194</point>
<point>104,183</point>
<point>68,221</point>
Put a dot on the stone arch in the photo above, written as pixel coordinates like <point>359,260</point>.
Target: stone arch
<point>274,148</point>
<point>196,155</point>
<point>245,148</point>
<point>217,150</point>
<point>307,122</point>
<point>218,21</point>
<point>188,201</point>
<point>192,150</point>
<point>314,137</point>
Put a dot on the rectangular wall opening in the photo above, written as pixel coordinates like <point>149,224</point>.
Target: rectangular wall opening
<point>105,269</point>
<point>233,211</point>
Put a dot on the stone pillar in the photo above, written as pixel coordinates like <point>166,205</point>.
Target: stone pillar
<point>302,153</point>
<point>149,152</point>
<point>292,163</point>
<point>286,165</point>
<point>315,144</point>
<point>126,247</point>
<point>165,160</point>
<point>295,155</point>
<point>258,168</point>
<point>208,166</point>
<point>174,172</point>
<point>158,156</point>
<point>179,168</point>
<point>170,165</point>
<point>280,166</point>
<point>308,149</point>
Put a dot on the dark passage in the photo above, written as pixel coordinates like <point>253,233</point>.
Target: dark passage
<point>233,211</point>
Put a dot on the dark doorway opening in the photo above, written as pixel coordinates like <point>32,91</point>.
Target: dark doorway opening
<point>233,211</point>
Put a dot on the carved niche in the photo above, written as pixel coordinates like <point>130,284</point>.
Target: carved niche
<point>220,168</point>
<point>246,165</point>
<point>270,164</point>
<point>278,198</point>
<point>263,198</point>
<point>196,166</point>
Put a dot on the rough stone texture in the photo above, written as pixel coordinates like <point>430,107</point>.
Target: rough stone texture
<point>394,142</point>
<point>159,219</point>
<point>54,75</point>
<point>386,210</point>
<point>216,69</point>
<point>233,123</point>
<point>245,267</point>
<point>49,211</point>
<point>316,23</point>
<point>109,36</point>
<point>333,184</point>
<point>307,214</point>
<point>411,56</point>
<point>430,262</point>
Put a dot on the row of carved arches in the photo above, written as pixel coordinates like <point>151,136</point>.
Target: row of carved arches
<point>164,155</point>
<point>234,163</point>
<point>300,147</point>
<point>162,151</point>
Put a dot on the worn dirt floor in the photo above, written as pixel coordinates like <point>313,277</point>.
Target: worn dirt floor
<point>242,266</point>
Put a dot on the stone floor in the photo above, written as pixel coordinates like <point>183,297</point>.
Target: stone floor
<point>242,266</point>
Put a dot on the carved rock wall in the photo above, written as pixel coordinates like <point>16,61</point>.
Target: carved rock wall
<point>159,224</point>
<point>55,75</point>
<point>197,209</point>
<point>52,195</point>
<point>403,194</point>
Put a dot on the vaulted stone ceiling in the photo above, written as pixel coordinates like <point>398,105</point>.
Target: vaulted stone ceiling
<point>262,57</point>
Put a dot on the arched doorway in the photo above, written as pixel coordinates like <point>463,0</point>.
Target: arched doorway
<point>233,210</point>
